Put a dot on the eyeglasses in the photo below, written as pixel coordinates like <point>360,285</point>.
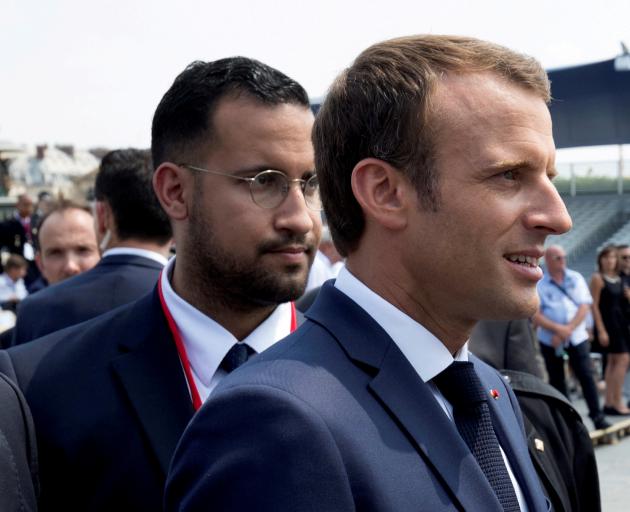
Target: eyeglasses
<point>559,258</point>
<point>270,188</point>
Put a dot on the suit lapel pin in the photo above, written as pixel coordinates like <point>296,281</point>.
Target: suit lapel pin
<point>494,394</point>
<point>539,444</point>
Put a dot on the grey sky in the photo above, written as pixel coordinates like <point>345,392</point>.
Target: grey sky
<point>91,73</point>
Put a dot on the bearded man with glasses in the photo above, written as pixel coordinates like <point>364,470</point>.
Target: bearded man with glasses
<point>234,172</point>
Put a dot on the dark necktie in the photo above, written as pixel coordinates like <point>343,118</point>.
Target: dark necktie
<point>236,356</point>
<point>461,386</point>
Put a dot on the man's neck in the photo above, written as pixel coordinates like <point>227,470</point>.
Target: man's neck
<point>240,319</point>
<point>418,307</point>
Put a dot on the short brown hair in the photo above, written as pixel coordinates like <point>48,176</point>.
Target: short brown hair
<point>15,261</point>
<point>380,107</point>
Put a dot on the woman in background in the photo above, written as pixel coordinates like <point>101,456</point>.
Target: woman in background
<point>611,331</point>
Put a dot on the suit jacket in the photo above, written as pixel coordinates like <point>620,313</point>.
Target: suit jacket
<point>110,401</point>
<point>565,461</point>
<point>18,454</point>
<point>509,345</point>
<point>13,236</point>
<point>114,281</point>
<point>334,418</point>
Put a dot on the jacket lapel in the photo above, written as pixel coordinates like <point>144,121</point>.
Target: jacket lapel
<point>409,400</point>
<point>512,437</point>
<point>152,376</point>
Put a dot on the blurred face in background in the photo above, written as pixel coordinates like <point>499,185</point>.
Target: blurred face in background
<point>555,259</point>
<point>624,260</point>
<point>67,245</point>
<point>24,206</point>
<point>607,262</point>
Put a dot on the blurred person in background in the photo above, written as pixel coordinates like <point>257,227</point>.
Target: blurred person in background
<point>12,289</point>
<point>45,202</point>
<point>326,265</point>
<point>610,307</point>
<point>134,234</point>
<point>561,319</point>
<point>624,271</point>
<point>16,235</point>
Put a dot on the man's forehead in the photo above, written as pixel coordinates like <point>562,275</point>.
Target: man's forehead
<point>243,128</point>
<point>59,221</point>
<point>555,251</point>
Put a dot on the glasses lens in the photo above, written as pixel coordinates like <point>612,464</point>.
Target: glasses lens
<point>269,188</point>
<point>311,193</point>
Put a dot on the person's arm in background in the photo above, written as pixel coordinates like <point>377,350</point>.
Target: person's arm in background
<point>597,285</point>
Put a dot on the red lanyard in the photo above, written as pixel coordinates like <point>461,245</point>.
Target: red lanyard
<point>181,349</point>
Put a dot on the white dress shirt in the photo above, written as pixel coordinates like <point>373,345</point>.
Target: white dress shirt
<point>427,354</point>
<point>134,251</point>
<point>207,342</point>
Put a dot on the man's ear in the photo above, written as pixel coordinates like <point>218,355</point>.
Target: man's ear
<point>104,217</point>
<point>382,191</point>
<point>173,187</point>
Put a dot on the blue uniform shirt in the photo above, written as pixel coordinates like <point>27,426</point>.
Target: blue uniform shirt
<point>560,308</point>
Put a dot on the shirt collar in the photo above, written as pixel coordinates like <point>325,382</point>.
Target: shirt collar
<point>426,353</point>
<point>134,251</point>
<point>206,341</point>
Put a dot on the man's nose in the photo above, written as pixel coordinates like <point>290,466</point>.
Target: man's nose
<point>548,212</point>
<point>293,214</point>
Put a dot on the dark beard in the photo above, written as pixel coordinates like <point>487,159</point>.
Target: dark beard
<point>220,278</point>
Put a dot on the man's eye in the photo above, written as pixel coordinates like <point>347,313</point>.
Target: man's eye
<point>509,175</point>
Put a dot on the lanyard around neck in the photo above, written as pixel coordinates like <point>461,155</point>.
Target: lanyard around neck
<point>181,348</point>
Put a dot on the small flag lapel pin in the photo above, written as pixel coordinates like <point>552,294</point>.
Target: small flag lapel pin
<point>494,394</point>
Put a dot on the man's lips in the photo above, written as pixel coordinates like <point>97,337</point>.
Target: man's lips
<point>525,262</point>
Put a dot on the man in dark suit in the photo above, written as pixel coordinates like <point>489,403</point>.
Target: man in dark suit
<point>18,453</point>
<point>508,345</point>
<point>135,236</point>
<point>434,155</point>
<point>111,396</point>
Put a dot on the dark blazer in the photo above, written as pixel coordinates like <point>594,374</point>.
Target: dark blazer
<point>12,236</point>
<point>18,454</point>
<point>334,418</point>
<point>114,281</point>
<point>565,461</point>
<point>510,345</point>
<point>110,401</point>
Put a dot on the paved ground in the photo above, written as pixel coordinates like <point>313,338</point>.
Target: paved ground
<point>613,464</point>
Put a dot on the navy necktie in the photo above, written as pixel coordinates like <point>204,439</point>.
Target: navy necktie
<point>461,386</point>
<point>236,356</point>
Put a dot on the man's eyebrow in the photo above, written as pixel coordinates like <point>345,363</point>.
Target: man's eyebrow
<point>505,165</point>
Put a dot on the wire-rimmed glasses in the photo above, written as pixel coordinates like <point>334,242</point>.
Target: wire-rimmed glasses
<point>269,189</point>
